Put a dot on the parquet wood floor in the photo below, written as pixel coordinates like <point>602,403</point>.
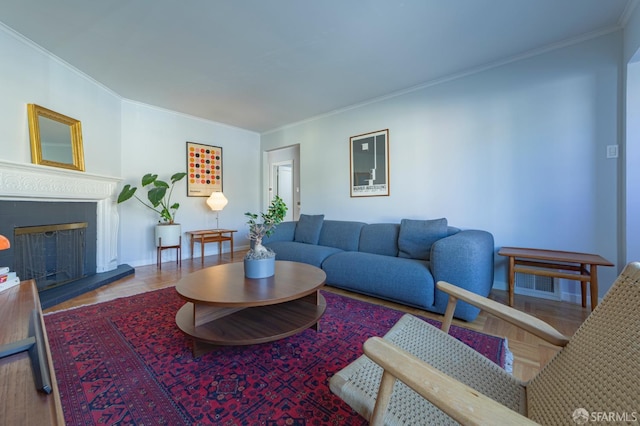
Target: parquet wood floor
<point>530,352</point>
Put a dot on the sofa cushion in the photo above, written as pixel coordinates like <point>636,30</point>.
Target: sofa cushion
<point>380,238</point>
<point>406,281</point>
<point>308,228</point>
<point>283,232</point>
<point>302,252</point>
<point>417,236</point>
<point>342,234</point>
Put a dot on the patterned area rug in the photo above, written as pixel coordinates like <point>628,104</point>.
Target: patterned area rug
<point>125,362</point>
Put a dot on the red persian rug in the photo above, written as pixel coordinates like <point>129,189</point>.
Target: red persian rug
<point>125,362</point>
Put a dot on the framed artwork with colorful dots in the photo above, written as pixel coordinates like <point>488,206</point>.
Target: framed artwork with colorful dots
<point>204,169</point>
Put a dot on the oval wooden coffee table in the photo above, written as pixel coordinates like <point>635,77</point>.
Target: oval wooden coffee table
<point>225,308</point>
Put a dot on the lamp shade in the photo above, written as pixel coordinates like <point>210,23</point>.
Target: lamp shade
<point>217,201</point>
<point>4,243</point>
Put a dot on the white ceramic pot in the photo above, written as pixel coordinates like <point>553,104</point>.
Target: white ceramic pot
<point>170,234</point>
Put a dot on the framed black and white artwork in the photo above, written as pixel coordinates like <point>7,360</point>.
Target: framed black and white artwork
<point>369,154</point>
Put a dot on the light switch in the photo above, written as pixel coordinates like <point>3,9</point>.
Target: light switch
<point>612,151</point>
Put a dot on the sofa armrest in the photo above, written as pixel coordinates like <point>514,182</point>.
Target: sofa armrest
<point>464,259</point>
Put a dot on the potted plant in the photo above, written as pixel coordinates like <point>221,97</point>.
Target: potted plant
<point>159,200</point>
<point>259,262</point>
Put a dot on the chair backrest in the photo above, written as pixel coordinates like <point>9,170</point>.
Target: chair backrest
<point>598,373</point>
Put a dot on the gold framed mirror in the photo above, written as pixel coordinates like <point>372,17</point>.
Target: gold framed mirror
<point>56,140</point>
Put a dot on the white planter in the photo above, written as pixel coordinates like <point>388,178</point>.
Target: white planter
<point>170,234</point>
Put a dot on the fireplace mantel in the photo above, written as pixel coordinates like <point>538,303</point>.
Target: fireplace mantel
<point>30,182</point>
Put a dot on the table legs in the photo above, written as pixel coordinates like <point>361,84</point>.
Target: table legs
<point>593,271</point>
<point>203,239</point>
<point>586,277</point>
<point>161,247</point>
<point>512,278</point>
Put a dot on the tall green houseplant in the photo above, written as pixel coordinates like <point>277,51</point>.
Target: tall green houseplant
<point>158,195</point>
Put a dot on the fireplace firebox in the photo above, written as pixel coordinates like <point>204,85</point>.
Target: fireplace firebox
<point>52,255</point>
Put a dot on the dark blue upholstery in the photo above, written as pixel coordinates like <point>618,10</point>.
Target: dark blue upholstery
<point>302,252</point>
<point>364,258</point>
<point>417,236</point>
<point>405,281</point>
<point>380,238</point>
<point>341,234</point>
<point>285,231</point>
<point>463,259</point>
<point>308,228</point>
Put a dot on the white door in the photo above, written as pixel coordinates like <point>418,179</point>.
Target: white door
<point>282,179</point>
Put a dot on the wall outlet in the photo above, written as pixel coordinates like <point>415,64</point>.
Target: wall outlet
<point>612,151</point>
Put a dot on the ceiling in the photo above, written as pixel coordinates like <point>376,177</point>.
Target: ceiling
<point>260,65</point>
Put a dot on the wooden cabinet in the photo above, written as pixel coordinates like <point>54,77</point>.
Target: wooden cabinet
<point>21,403</point>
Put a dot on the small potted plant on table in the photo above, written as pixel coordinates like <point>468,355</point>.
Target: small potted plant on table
<point>259,262</point>
<point>159,196</point>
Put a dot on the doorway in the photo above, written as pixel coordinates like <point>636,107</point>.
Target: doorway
<point>282,178</point>
<point>283,167</point>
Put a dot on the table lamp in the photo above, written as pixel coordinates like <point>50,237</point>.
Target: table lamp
<point>216,202</point>
<point>4,243</point>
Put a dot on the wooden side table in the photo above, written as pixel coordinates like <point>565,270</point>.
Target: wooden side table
<point>161,247</point>
<point>581,267</point>
<point>211,236</point>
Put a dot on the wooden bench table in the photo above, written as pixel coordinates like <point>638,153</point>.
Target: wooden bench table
<point>22,403</point>
<point>211,236</point>
<point>581,267</point>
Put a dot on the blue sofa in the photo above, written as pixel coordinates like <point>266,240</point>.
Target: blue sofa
<point>397,262</point>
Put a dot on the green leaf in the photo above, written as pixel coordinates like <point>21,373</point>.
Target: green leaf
<point>148,178</point>
<point>156,195</point>
<point>126,193</point>
<point>160,184</point>
<point>176,177</point>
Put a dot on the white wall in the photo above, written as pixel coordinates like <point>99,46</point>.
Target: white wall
<point>154,141</point>
<point>125,139</point>
<point>633,159</point>
<point>517,150</point>
<point>632,138</point>
<point>28,74</point>
<point>632,35</point>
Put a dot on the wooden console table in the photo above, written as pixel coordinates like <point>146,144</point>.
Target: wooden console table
<point>22,404</point>
<point>211,236</point>
<point>581,267</point>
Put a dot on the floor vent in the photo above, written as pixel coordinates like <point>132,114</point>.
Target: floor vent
<point>537,285</point>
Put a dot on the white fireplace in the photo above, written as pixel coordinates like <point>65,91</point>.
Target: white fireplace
<point>29,182</point>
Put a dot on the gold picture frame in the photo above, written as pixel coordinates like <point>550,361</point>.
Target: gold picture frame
<point>56,140</point>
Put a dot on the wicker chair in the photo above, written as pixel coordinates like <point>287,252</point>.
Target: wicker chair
<point>595,376</point>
